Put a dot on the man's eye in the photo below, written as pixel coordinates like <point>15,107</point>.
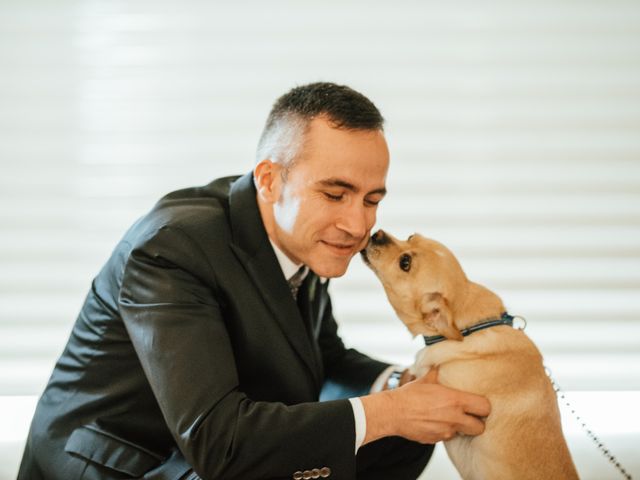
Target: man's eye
<point>405,262</point>
<point>372,203</point>
<point>335,198</point>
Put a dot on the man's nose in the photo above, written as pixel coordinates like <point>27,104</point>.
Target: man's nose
<point>356,222</point>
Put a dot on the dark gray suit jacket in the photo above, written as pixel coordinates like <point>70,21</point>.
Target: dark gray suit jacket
<point>190,345</point>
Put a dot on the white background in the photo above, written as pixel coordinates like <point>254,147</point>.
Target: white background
<point>514,130</point>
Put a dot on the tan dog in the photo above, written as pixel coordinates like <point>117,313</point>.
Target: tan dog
<point>431,294</point>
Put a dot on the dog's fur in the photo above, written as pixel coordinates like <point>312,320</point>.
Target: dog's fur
<point>523,435</point>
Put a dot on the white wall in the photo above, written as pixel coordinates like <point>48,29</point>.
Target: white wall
<point>513,126</point>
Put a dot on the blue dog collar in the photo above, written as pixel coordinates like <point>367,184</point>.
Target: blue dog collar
<point>505,319</point>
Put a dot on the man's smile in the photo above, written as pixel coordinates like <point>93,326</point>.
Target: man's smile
<point>340,248</point>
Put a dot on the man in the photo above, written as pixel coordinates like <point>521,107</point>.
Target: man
<point>193,356</point>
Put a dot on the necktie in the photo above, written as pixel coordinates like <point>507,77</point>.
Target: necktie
<point>296,280</point>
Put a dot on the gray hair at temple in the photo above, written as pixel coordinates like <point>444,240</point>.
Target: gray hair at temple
<point>283,134</point>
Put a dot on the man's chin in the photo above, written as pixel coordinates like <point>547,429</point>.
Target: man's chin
<point>332,269</point>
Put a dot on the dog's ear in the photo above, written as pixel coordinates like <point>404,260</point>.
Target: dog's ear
<point>436,312</point>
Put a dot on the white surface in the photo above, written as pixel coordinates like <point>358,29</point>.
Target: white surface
<point>612,416</point>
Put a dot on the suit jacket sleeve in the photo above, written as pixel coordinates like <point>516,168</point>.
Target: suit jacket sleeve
<point>173,316</point>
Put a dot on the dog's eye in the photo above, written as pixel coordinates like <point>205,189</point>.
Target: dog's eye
<point>405,262</point>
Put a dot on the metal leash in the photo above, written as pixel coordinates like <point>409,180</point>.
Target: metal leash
<point>605,451</point>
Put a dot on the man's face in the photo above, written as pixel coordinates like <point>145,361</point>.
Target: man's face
<point>323,213</point>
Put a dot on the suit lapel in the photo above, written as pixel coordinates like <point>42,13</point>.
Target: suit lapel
<point>251,246</point>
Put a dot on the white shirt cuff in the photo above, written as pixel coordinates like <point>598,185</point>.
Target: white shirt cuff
<point>358,410</point>
<point>360,421</point>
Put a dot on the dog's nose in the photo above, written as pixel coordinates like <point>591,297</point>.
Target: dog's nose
<point>379,238</point>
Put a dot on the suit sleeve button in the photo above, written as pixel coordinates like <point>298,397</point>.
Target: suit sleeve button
<point>297,475</point>
<point>325,472</point>
<point>306,475</point>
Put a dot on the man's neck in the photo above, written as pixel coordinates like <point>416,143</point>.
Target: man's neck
<point>289,267</point>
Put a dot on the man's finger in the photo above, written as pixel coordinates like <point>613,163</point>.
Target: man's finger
<point>476,405</point>
<point>406,377</point>
<point>432,375</point>
<point>470,426</point>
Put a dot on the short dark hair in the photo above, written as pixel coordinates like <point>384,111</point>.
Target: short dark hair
<point>344,107</point>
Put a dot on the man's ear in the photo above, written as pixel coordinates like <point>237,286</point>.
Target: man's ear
<point>436,312</point>
<point>267,176</point>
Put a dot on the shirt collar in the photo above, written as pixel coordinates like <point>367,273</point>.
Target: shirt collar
<point>289,268</point>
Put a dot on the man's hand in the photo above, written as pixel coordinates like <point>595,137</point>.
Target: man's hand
<point>424,411</point>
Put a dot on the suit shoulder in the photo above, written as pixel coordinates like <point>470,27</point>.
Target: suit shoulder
<point>198,211</point>
<point>216,190</point>
<point>193,205</point>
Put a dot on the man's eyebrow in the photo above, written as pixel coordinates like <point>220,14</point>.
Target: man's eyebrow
<point>337,182</point>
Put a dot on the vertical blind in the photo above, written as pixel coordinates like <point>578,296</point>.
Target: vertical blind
<point>513,128</point>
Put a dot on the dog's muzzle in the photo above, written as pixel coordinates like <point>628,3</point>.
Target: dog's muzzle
<point>380,238</point>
